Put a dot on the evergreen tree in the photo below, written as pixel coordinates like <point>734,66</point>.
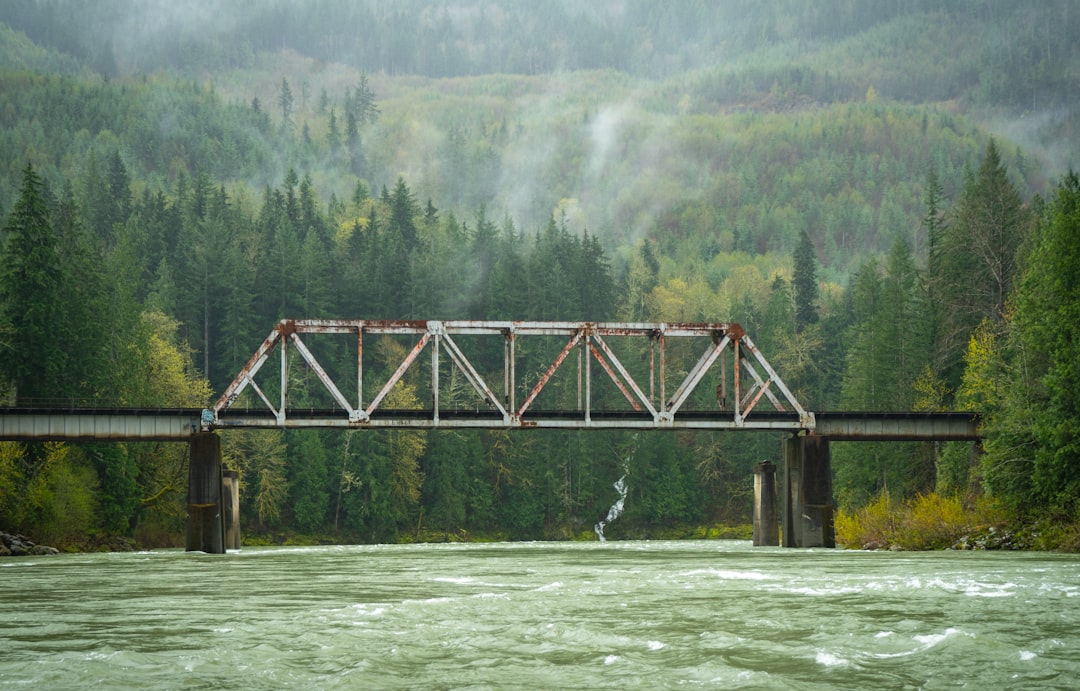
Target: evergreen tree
<point>933,282</point>
<point>1048,326</point>
<point>84,302</point>
<point>285,102</point>
<point>31,294</point>
<point>978,264</point>
<point>804,282</point>
<point>333,133</point>
<point>309,495</point>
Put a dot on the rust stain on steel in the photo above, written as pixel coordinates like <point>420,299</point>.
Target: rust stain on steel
<point>286,327</point>
<point>763,388</point>
<point>418,324</point>
<point>611,373</point>
<point>229,396</point>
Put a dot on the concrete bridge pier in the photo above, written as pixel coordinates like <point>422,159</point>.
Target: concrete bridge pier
<point>206,510</point>
<point>766,528</point>
<point>230,488</point>
<point>807,503</point>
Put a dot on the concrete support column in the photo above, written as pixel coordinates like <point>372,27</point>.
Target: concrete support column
<point>206,515</point>
<point>766,529</point>
<point>230,489</point>
<point>807,505</point>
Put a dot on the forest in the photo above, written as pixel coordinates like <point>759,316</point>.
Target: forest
<point>880,194</point>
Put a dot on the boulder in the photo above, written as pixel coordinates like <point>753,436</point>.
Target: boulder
<point>20,545</point>
<point>42,550</point>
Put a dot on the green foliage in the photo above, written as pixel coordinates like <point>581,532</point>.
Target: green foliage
<point>309,496</point>
<point>31,289</point>
<point>924,522</point>
<point>1040,442</point>
<point>259,458</point>
<point>979,257</point>
<point>784,187</point>
<point>804,282</point>
<point>48,490</point>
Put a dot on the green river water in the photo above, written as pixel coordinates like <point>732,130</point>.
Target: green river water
<point>718,614</point>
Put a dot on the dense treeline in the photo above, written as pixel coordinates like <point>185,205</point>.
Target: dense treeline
<point>223,275</point>
<point>896,340</point>
<point>815,186</point>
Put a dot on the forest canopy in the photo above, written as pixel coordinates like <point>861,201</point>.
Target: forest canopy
<point>880,195</point>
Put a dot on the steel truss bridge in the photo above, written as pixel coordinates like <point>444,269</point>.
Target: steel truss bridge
<point>607,375</point>
<point>563,375</point>
<point>372,374</point>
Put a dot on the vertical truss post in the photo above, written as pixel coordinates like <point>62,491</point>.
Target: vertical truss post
<point>360,371</point>
<point>588,379</point>
<point>738,397</point>
<point>663,371</point>
<point>435,373</point>
<point>511,375</point>
<point>284,379</point>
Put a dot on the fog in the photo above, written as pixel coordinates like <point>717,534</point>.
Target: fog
<point>594,97</point>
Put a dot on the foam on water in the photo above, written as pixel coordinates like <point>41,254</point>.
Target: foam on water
<point>828,659</point>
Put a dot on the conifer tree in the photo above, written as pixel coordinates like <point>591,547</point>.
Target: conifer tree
<point>285,102</point>
<point>978,259</point>
<point>1048,326</point>
<point>31,290</point>
<point>804,282</point>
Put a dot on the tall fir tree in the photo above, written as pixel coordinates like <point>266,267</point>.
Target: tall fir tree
<point>978,258</point>
<point>1048,343</point>
<point>804,282</point>
<point>31,294</point>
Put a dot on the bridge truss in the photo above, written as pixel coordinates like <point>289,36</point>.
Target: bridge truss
<point>627,375</point>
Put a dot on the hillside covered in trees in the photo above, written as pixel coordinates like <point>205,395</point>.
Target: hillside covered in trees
<point>880,195</point>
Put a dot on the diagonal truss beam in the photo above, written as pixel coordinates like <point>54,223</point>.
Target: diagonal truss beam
<point>605,343</point>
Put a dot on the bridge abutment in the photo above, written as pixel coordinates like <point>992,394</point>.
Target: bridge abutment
<point>807,506</point>
<point>206,510</point>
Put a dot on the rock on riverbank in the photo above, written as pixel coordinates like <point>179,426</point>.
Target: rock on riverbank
<point>21,546</point>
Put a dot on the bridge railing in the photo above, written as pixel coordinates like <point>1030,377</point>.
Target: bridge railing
<point>509,374</point>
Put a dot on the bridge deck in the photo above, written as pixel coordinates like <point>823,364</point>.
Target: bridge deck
<point>98,424</point>
<point>179,424</point>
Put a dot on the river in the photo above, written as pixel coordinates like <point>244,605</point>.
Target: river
<point>718,614</point>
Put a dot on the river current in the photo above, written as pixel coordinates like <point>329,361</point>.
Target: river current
<point>718,614</point>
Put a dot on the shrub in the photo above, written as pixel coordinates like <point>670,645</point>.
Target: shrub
<point>927,521</point>
<point>871,527</point>
<point>932,521</point>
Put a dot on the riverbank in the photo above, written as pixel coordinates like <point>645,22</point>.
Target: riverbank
<point>12,545</point>
<point>18,545</point>
<point>930,522</point>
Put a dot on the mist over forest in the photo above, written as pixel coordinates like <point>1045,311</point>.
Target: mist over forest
<point>867,187</point>
<point>617,113</point>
